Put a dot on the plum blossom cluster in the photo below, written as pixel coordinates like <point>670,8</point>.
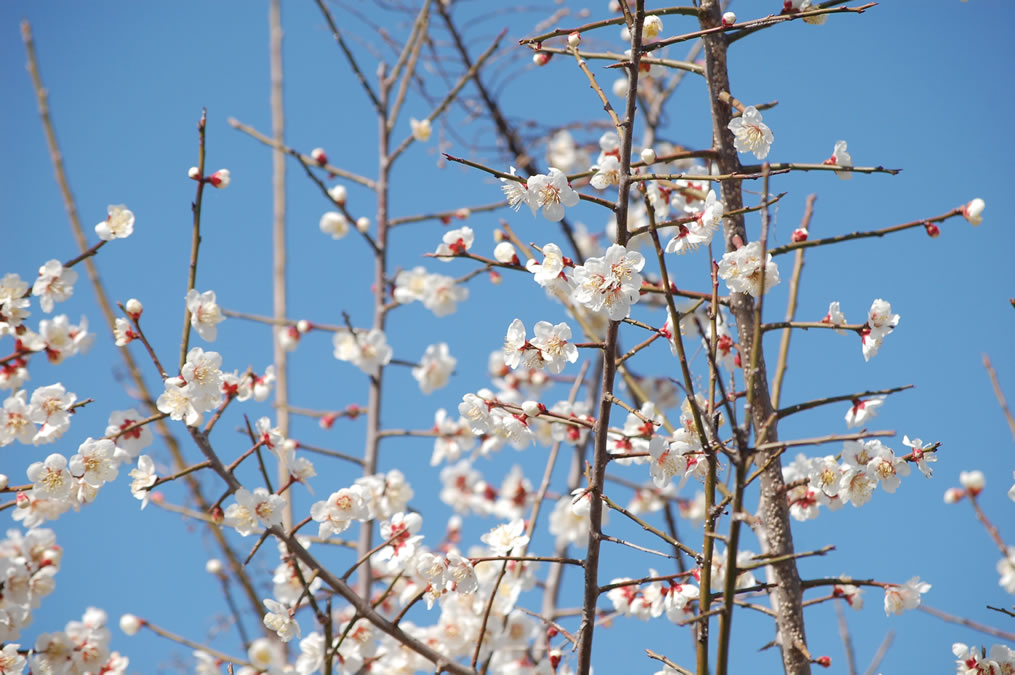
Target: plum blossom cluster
<point>367,350</point>
<point>549,193</point>
<point>673,597</point>
<point>28,565</point>
<point>197,389</point>
<point>973,660</point>
<point>824,481</point>
<point>549,348</point>
<point>438,293</point>
<point>80,649</point>
<point>609,284</point>
<point>744,271</point>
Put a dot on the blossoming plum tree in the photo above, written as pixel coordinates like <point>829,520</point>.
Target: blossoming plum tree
<point>380,584</point>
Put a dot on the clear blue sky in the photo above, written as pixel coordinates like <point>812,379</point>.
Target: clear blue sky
<point>919,86</point>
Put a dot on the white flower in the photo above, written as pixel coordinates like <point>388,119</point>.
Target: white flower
<point>338,193</point>
<point>50,406</point>
<point>119,224</point>
<point>368,350</point>
<point>55,284</point>
<point>693,235</point>
<point>51,479</point>
<point>861,411</point>
<point>972,481</point>
<point>900,598</point>
<point>503,538</point>
<point>607,173</point>
<point>280,620</point>
<point>144,477</point>
<point>421,129</point>
<point>516,192</point>
<point>551,193</point>
<point>476,413</point>
<point>340,509</point>
<point>835,316</point>
<point>880,319</point>
<point>203,375</point>
<point>175,401</point>
<point>441,294</point>
<point>205,314</point>
<point>15,423</point>
<point>400,532</point>
<point>651,27</point>
<point>742,270</point>
<point>515,344</point>
<point>841,158</point>
<point>550,274</point>
<point>752,135</point>
<point>611,284</point>
<point>919,456</point>
<point>1006,568</point>
<point>669,459</point>
<point>973,212</point>
<point>887,467</point>
<point>434,368</point>
<point>454,242</point>
<point>409,285</point>
<point>552,343</point>
<point>335,224</point>
<point>95,462</point>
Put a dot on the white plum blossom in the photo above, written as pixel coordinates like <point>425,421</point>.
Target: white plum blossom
<point>742,270</point>
<point>669,459</point>
<point>610,284</point>
<point>205,314</point>
<point>119,224</point>
<point>334,224</point>
<point>919,456</point>
<point>505,252</point>
<point>435,368</point>
<point>552,343</point>
<point>692,235</point>
<point>751,134</point>
<point>421,129</point>
<point>51,479</point>
<point>367,350</point>
<point>880,322</point>
<point>841,158</point>
<point>515,191</point>
<point>55,284</point>
<point>551,273</point>
<point>50,406</point>
<point>454,243</point>
<point>409,285</point>
<point>280,619</point>
<point>515,344</point>
<point>651,27</point>
<point>907,596</point>
<point>253,507</point>
<point>973,211</point>
<point>551,193</point>
<point>176,402</point>
<point>441,294</point>
<point>132,442</point>
<point>607,173</point>
<point>400,532</point>
<point>503,538</point>
<point>144,477</point>
<point>475,411</point>
<point>95,462</point>
<point>835,316</point>
<point>339,510</point>
<point>861,411</point>
<point>15,422</point>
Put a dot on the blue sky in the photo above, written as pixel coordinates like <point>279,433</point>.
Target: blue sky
<point>918,87</point>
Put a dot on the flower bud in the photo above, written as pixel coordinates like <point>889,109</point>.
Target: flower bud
<point>728,19</point>
<point>541,58</point>
<point>130,624</point>
<point>213,566</point>
<point>505,252</point>
<point>486,394</point>
<point>531,408</point>
<point>220,179</point>
<point>973,211</point>
<point>648,155</point>
<point>52,556</point>
<point>421,129</point>
<point>555,656</point>
<point>335,224</point>
<point>22,501</point>
<point>799,234</point>
<point>463,213</point>
<point>338,194</point>
<point>4,482</point>
<point>574,38</point>
<point>193,173</point>
<point>495,277</point>
<point>953,495</point>
<point>973,481</point>
<point>363,224</point>
<point>304,326</point>
<point>620,87</point>
<point>319,156</point>
<point>823,661</point>
<point>932,230</point>
<point>134,308</point>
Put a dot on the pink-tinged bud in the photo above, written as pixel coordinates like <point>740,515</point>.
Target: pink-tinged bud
<point>193,173</point>
<point>495,277</point>
<point>728,19</point>
<point>352,410</point>
<point>319,156</point>
<point>505,253</point>
<point>932,230</point>
<point>648,155</point>
<point>973,481</point>
<point>551,632</point>
<point>823,661</point>
<point>531,408</point>
<point>328,420</point>
<point>463,213</point>
<point>158,497</point>
<point>541,58</point>
<point>799,234</point>
<point>4,482</point>
<point>574,38</point>
<point>953,495</point>
<point>217,516</point>
<point>304,326</point>
<point>973,211</point>
<point>52,556</point>
<point>555,656</point>
<point>338,194</point>
<point>134,308</point>
<point>22,501</point>
<point>220,179</point>
<point>213,566</point>
<point>363,224</point>
<point>130,624</point>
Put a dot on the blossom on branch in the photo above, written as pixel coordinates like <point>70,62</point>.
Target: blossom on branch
<point>751,134</point>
